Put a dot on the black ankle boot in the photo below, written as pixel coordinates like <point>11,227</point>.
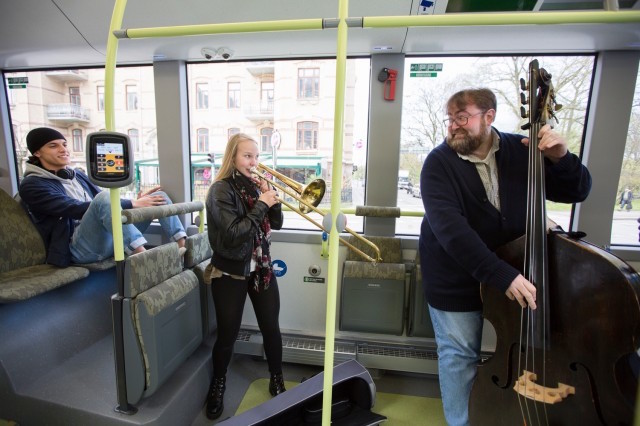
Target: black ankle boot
<point>215,398</point>
<point>276,384</point>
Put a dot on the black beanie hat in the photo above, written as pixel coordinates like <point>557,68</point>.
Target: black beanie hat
<point>40,136</point>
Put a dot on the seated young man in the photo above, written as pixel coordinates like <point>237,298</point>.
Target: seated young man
<point>72,214</point>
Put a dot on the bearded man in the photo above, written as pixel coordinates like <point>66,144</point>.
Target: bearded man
<point>474,191</point>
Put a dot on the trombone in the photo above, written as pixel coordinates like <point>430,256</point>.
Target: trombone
<point>309,197</point>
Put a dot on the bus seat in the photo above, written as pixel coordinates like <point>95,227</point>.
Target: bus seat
<point>23,273</point>
<point>161,318</point>
<point>102,265</point>
<point>419,324</point>
<point>372,295</point>
<point>198,254</point>
<point>197,258</point>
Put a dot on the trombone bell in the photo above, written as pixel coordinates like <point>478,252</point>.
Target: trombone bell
<point>308,197</point>
<point>312,194</point>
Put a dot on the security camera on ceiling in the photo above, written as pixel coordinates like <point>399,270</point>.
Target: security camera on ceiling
<point>225,53</point>
<point>211,54</point>
<point>208,53</point>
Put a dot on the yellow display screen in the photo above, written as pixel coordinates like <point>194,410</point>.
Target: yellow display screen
<point>110,159</point>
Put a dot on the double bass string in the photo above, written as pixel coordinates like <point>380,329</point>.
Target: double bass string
<point>526,332</point>
<point>529,262</point>
<point>536,246</point>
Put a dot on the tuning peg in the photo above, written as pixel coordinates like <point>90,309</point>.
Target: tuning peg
<point>523,113</point>
<point>523,99</point>
<point>523,84</point>
<point>558,107</point>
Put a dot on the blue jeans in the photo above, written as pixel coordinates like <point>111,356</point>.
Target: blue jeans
<point>458,336</point>
<point>92,240</point>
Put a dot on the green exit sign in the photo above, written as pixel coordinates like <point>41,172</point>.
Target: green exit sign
<point>423,74</point>
<point>426,67</point>
<point>17,82</point>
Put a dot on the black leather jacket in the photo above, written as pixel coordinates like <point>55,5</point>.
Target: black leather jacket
<point>231,226</point>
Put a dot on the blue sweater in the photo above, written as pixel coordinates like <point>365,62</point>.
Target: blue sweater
<point>54,212</point>
<point>461,229</point>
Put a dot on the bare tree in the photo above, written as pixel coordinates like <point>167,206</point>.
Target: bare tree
<point>424,110</point>
<point>422,117</point>
<point>502,75</point>
<point>571,78</point>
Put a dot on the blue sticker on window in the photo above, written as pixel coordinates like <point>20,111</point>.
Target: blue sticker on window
<point>279,267</point>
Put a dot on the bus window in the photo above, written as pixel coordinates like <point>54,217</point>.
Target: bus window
<point>626,216</point>
<point>430,81</point>
<point>288,108</point>
<point>72,102</point>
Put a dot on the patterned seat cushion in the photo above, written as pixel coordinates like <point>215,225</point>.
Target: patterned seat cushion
<point>149,268</point>
<point>20,242</point>
<point>198,250</point>
<point>381,271</point>
<point>23,283</point>
<point>390,248</point>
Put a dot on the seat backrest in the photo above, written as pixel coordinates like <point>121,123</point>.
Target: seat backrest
<point>373,294</point>
<point>198,250</point>
<point>390,248</point>
<point>197,259</point>
<point>161,318</point>
<point>419,321</point>
<point>150,268</point>
<point>19,239</point>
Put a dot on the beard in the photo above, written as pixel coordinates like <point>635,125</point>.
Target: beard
<point>466,144</point>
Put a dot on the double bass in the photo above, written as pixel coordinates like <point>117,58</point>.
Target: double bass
<point>568,361</point>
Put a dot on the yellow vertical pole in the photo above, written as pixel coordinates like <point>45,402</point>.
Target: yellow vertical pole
<point>336,189</point>
<point>109,112</point>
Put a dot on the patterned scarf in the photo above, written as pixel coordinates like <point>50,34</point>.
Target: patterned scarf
<point>262,238</point>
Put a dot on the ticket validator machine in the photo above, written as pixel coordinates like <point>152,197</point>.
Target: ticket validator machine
<point>109,159</point>
<point>110,164</point>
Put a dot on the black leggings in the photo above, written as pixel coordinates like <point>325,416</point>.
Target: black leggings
<point>229,295</point>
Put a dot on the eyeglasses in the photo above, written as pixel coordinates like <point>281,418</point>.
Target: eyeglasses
<point>460,120</point>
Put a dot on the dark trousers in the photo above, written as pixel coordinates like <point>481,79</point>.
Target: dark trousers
<point>229,295</point>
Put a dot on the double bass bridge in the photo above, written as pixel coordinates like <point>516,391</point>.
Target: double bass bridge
<point>526,386</point>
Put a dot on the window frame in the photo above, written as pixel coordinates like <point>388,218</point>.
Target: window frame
<point>202,140</point>
<point>131,93</point>
<point>202,95</point>
<point>78,140</point>
<point>134,136</point>
<point>301,133</point>
<point>74,95</point>
<point>304,81</point>
<point>233,95</point>
<point>100,98</point>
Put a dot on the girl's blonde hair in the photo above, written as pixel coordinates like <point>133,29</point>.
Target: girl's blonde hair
<point>227,167</point>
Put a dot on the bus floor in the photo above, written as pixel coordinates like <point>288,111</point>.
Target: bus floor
<point>245,369</point>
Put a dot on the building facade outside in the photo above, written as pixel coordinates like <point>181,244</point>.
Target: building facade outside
<point>294,99</point>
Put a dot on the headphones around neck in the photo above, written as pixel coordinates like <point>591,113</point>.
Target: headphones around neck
<point>64,173</point>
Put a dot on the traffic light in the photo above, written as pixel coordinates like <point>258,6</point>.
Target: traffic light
<point>212,158</point>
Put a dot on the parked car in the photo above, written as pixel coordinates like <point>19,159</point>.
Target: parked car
<point>403,180</point>
<point>415,191</point>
